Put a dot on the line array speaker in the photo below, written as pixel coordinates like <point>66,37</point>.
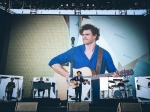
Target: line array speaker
<point>129,107</point>
<point>26,107</point>
<point>78,106</point>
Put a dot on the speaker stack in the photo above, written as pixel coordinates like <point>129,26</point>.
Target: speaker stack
<point>26,107</point>
<point>78,107</point>
<point>129,107</point>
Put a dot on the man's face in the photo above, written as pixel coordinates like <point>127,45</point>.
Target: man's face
<point>12,80</point>
<point>88,37</point>
<point>79,74</point>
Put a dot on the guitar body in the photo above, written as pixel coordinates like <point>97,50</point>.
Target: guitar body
<point>73,86</point>
<point>62,85</point>
<point>9,89</point>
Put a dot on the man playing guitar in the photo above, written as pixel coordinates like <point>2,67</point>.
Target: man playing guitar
<point>77,80</point>
<point>86,55</point>
<point>9,89</point>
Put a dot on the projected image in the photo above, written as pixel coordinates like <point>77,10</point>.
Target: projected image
<point>36,39</point>
<point>11,88</point>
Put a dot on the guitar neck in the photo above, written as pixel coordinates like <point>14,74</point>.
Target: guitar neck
<point>94,77</point>
<point>121,74</point>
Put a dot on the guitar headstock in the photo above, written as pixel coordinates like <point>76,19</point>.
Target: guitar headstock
<point>126,72</point>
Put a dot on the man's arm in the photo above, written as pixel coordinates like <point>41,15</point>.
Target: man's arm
<point>115,74</point>
<point>57,68</point>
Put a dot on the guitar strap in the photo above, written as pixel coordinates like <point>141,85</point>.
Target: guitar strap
<point>99,60</point>
<point>95,83</point>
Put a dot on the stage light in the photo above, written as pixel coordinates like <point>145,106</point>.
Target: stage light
<point>81,4</point>
<point>73,4</point>
<point>143,4</point>
<point>108,2</point>
<point>136,3</point>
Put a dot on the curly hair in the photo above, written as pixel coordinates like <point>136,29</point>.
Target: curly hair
<point>79,72</point>
<point>94,30</point>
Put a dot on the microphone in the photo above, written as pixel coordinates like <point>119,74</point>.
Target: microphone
<point>71,67</point>
<point>72,40</point>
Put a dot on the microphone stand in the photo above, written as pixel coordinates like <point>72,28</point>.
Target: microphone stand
<point>71,67</point>
<point>71,63</point>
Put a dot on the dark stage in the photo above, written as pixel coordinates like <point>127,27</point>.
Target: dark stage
<point>55,105</point>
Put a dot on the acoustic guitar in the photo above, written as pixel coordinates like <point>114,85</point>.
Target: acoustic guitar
<point>62,85</point>
<point>75,84</point>
<point>9,89</point>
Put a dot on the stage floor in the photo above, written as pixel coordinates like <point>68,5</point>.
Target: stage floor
<point>56,105</point>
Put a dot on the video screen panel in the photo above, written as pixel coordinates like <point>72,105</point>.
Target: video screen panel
<point>36,39</point>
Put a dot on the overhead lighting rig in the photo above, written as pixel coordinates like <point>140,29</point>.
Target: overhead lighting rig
<point>76,4</point>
